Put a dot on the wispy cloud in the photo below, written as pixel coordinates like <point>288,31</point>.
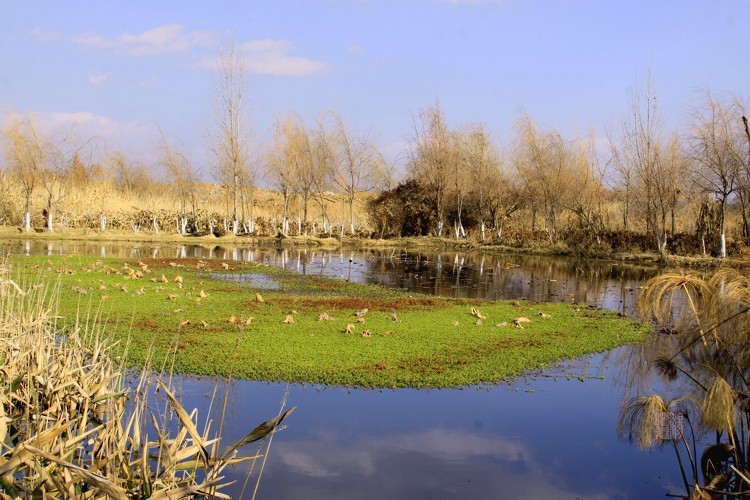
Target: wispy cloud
<point>261,57</point>
<point>271,57</point>
<point>98,79</point>
<point>44,36</point>
<point>167,39</point>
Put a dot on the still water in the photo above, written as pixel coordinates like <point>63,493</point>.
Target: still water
<point>551,434</point>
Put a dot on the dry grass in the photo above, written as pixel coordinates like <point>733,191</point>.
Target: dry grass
<point>710,317</point>
<point>70,426</point>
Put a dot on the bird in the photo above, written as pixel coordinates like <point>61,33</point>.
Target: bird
<point>361,313</point>
<point>258,297</point>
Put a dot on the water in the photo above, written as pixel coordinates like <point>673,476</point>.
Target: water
<point>548,435</point>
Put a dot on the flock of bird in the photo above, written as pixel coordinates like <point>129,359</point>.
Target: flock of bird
<point>143,270</point>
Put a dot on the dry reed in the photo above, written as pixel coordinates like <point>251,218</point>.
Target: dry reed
<point>71,427</point>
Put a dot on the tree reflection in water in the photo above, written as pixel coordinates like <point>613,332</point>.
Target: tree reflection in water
<point>701,343</point>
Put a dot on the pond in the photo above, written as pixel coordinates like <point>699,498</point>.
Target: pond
<point>551,434</point>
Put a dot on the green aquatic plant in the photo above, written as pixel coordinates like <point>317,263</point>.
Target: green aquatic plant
<point>206,319</point>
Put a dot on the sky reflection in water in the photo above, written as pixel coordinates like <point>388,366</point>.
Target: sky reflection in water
<point>537,437</point>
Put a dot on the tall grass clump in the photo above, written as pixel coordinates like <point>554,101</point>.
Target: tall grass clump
<point>71,425</point>
<point>709,318</point>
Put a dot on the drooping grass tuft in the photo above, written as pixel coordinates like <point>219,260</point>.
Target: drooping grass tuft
<point>640,417</point>
<point>718,406</point>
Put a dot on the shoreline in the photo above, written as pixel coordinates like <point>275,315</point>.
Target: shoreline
<point>349,242</point>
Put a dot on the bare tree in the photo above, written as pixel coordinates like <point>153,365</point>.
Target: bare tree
<point>230,144</point>
<point>505,196</point>
<point>281,160</point>
<point>431,158</point>
<point>65,152</point>
<point>744,181</point>
<point>717,149</point>
<point>588,177</point>
<point>25,153</point>
<point>356,164</point>
<point>543,161</point>
<point>648,161</point>
<point>479,160</point>
<point>305,164</point>
<point>183,179</point>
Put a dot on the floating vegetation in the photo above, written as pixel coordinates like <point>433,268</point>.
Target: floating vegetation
<point>321,330</point>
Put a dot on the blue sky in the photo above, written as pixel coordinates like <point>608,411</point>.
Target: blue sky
<point>127,70</point>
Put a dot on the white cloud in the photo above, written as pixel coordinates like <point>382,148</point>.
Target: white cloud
<point>44,36</point>
<point>271,57</point>
<point>167,39</point>
<point>104,132</point>
<point>261,57</point>
<point>98,79</point>
<point>515,471</point>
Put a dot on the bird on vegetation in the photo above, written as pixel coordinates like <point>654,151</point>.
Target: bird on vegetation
<point>394,318</point>
<point>361,313</point>
<point>349,328</point>
<point>289,319</point>
<point>521,319</point>
<point>366,333</point>
<point>325,317</point>
<point>258,297</point>
<point>545,316</point>
<point>475,312</point>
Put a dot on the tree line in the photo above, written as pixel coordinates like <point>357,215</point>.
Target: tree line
<point>640,186</point>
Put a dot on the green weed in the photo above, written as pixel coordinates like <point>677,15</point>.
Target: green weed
<point>296,330</point>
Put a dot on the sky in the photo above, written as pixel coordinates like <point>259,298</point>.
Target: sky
<point>132,72</point>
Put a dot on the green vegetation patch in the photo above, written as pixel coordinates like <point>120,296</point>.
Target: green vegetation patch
<point>259,322</point>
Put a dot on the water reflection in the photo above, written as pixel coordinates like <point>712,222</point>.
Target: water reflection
<point>539,437</point>
<point>451,274</point>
